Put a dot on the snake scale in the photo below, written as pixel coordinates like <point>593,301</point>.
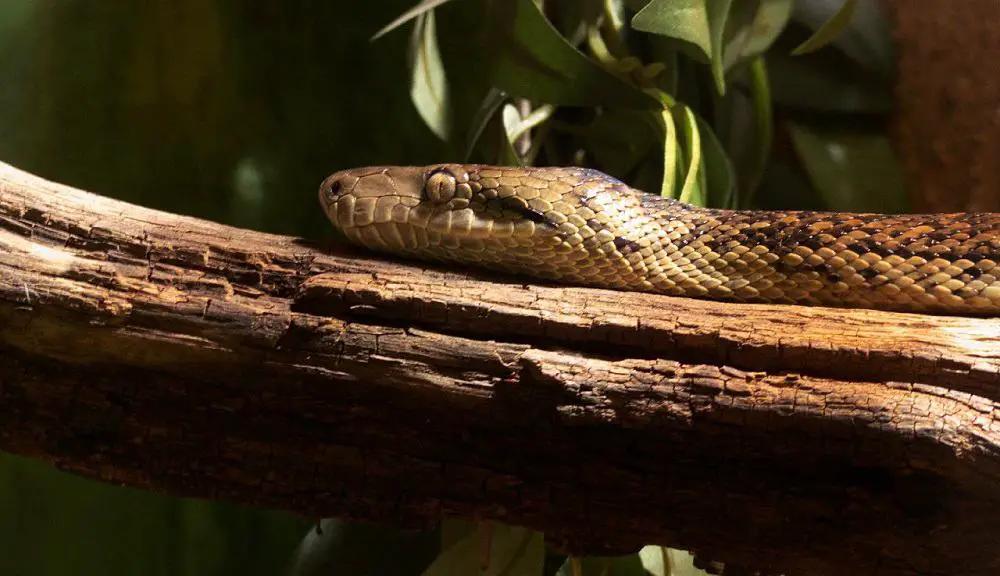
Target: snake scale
<point>580,226</point>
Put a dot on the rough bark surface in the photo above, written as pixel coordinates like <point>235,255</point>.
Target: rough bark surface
<point>184,356</point>
<point>946,122</point>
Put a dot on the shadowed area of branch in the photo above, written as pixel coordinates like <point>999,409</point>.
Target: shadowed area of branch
<point>180,355</point>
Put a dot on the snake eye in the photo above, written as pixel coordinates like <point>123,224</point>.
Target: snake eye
<point>330,190</point>
<point>440,185</point>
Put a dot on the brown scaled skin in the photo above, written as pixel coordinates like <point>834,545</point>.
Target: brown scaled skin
<point>579,226</point>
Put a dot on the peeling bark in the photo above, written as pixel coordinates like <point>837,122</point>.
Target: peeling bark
<point>184,356</point>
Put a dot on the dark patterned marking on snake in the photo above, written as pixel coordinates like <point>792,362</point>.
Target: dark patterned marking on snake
<point>626,246</point>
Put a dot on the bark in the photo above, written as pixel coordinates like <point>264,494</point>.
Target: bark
<point>947,98</point>
<point>184,356</point>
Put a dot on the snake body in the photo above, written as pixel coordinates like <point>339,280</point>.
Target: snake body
<point>580,226</point>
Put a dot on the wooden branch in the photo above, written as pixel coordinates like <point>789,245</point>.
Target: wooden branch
<point>179,355</point>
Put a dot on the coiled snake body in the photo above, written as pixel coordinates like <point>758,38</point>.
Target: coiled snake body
<point>580,226</point>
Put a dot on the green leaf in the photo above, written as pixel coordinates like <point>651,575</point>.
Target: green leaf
<point>424,7</point>
<point>756,36</point>
<point>462,557</point>
<point>522,551</point>
<point>660,561</point>
<point>648,174</point>
<point>511,129</point>
<point>656,560</point>
<point>867,40</point>
<point>506,550</point>
<point>636,5</point>
<point>486,111</point>
<point>672,163</point>
<point>535,118</point>
<point>825,81</point>
<point>619,138</point>
<point>535,62</point>
<point>760,88</point>
<point>734,37</point>
<point>685,20</point>
<point>720,179</point>
<point>493,143</point>
<point>718,12</point>
<point>691,191</point>
<point>830,30</point>
<point>851,169</point>
<point>454,530</point>
<point>357,548</point>
<point>701,23</point>
<point>428,84</point>
<point>786,185</point>
<point>743,124</point>
<point>630,565</point>
<point>574,19</point>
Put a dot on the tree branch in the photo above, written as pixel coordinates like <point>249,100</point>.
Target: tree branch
<point>179,355</point>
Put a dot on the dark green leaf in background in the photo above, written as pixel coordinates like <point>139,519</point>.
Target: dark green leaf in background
<point>825,81</point>
<point>829,30</point>
<point>851,169</point>
<point>341,547</point>
<point>620,138</point>
<point>743,124</point>
<point>630,565</point>
<point>492,549</point>
<point>866,39</point>
<point>535,62</point>
<point>720,181</point>
<point>488,108</point>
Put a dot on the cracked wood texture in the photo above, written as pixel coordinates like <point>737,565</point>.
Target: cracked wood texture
<point>180,355</point>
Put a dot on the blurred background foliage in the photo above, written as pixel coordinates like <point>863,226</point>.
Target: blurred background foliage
<point>682,97</point>
<point>235,111</point>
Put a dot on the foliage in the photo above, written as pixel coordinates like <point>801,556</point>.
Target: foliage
<point>687,98</point>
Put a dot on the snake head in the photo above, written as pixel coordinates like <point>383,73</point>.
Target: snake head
<point>419,209</point>
<point>555,223</point>
<point>361,197</point>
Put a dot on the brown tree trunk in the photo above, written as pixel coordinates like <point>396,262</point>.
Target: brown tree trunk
<point>179,355</point>
<point>946,125</point>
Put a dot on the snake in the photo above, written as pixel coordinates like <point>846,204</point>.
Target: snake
<point>579,226</point>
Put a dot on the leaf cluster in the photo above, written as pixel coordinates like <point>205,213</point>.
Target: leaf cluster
<point>706,101</point>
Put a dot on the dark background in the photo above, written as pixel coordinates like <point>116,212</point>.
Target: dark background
<point>231,111</point>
